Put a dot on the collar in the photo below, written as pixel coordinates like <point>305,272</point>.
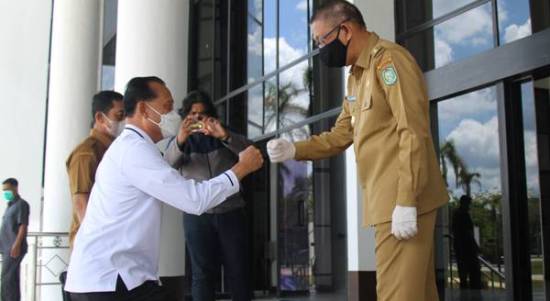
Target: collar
<point>102,137</point>
<point>144,135</point>
<point>365,57</point>
<point>10,203</point>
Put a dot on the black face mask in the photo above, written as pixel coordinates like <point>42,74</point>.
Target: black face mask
<point>334,53</point>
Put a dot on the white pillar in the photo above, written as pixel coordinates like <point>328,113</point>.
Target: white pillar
<point>152,39</point>
<point>360,239</point>
<point>74,66</point>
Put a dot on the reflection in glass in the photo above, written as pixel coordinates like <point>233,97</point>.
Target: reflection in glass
<point>295,212</point>
<point>311,208</point>
<point>270,36</point>
<point>255,111</point>
<point>293,30</point>
<point>514,20</point>
<point>458,38</point>
<point>270,105</point>
<point>294,96</point>
<point>417,12</point>
<point>534,104</point>
<point>109,45</point>
<point>469,150</point>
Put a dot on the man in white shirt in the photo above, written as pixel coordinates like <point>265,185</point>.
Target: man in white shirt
<point>116,250</point>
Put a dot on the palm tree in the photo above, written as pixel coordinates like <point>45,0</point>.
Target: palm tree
<point>466,180</point>
<point>463,177</point>
<point>448,153</point>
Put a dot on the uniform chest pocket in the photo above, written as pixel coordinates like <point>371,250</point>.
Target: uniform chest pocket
<point>366,95</point>
<point>367,103</point>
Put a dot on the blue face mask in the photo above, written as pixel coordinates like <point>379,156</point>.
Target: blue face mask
<point>8,195</point>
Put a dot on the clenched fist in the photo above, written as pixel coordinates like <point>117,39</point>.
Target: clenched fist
<point>250,160</point>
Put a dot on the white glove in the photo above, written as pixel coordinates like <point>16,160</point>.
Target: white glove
<point>403,223</point>
<point>280,150</point>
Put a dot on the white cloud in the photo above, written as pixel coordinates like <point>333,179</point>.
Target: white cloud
<point>255,42</point>
<point>302,6</point>
<point>514,32</point>
<point>287,53</point>
<point>477,103</point>
<point>477,143</point>
<point>443,52</point>
<point>441,7</point>
<point>474,26</point>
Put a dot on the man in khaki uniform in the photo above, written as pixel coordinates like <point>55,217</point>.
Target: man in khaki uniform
<point>386,117</point>
<point>108,114</point>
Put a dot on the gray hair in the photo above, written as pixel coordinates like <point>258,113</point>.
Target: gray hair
<point>338,11</point>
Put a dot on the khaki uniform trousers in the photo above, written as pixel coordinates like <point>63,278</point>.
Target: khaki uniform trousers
<point>405,269</point>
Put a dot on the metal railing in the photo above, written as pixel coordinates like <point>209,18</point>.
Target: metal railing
<point>490,274</point>
<point>46,258</point>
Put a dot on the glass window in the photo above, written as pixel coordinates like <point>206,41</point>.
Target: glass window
<point>417,12</point>
<point>255,111</point>
<point>294,95</point>
<point>255,40</point>
<point>458,38</point>
<point>270,105</point>
<point>109,45</point>
<point>270,36</point>
<point>293,30</point>
<point>311,209</point>
<point>470,162</point>
<point>514,20</point>
<point>533,189</point>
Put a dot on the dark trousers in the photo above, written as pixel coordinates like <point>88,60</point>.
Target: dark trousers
<point>62,280</point>
<point>10,287</point>
<point>149,291</point>
<point>469,271</point>
<point>213,239</point>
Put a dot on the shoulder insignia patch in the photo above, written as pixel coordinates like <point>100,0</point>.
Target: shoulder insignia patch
<point>389,75</point>
<point>385,61</point>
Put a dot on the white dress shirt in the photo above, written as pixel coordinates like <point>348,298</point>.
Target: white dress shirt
<point>119,235</point>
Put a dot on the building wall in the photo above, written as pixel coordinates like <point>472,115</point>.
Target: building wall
<point>25,36</point>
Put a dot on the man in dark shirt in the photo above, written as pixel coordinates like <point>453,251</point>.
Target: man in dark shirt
<point>13,240</point>
<point>465,246</point>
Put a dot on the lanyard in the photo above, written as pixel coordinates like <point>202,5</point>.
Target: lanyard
<point>133,130</point>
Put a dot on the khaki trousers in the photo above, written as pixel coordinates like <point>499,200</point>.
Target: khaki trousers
<point>405,269</point>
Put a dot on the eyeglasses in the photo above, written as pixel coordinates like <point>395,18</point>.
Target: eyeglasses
<point>321,40</point>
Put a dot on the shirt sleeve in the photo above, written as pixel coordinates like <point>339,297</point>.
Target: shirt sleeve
<point>173,154</point>
<point>23,214</point>
<point>81,170</point>
<point>405,92</point>
<point>236,143</point>
<point>328,143</point>
<point>146,169</point>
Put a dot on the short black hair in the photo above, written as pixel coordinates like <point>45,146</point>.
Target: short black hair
<point>138,89</point>
<point>195,97</point>
<point>103,102</point>
<point>11,181</point>
<point>339,11</point>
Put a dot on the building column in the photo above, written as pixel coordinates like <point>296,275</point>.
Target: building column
<point>74,73</point>
<point>152,39</point>
<point>361,259</point>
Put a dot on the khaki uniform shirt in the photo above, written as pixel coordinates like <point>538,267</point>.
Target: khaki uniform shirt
<point>386,117</point>
<point>81,167</point>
